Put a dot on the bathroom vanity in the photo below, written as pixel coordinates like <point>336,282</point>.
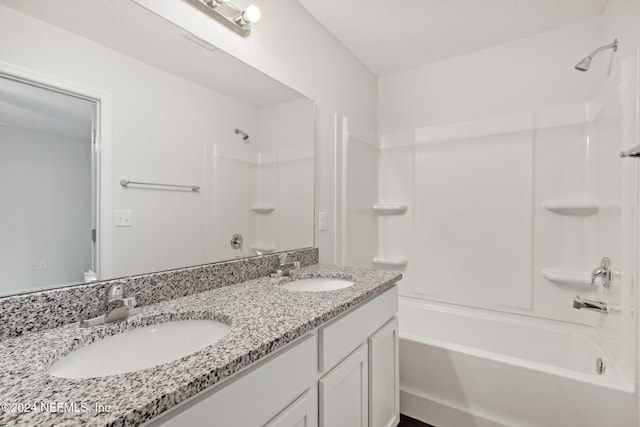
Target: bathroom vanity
<point>344,373</point>
<point>327,358</point>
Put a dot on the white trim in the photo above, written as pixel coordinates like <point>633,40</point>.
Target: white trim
<point>103,151</point>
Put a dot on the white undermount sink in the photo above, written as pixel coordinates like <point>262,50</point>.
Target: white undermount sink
<point>139,348</point>
<point>318,284</point>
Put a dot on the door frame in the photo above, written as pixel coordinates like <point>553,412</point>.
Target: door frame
<point>101,155</point>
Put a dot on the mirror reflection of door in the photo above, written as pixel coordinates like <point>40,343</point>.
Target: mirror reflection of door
<point>47,184</point>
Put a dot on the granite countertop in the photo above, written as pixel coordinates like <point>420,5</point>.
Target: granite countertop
<point>263,317</point>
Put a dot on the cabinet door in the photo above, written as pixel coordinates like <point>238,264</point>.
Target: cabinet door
<point>344,392</point>
<point>303,412</point>
<point>384,386</point>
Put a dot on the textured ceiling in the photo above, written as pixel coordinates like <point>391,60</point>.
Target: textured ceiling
<point>128,28</point>
<point>395,35</point>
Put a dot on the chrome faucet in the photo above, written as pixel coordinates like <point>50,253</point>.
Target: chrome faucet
<point>285,268</point>
<point>118,307</point>
<point>587,304</point>
<point>603,272</point>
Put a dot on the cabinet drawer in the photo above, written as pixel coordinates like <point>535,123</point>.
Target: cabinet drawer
<point>253,398</point>
<point>346,333</point>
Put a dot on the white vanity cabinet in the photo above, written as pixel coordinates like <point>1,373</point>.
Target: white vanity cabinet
<point>358,356</point>
<point>345,373</point>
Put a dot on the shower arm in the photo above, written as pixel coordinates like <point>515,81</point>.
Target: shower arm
<point>613,46</point>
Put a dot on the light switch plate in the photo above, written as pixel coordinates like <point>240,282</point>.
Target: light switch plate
<point>122,219</point>
<point>322,221</point>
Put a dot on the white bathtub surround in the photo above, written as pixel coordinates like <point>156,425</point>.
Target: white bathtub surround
<point>357,154</point>
<point>462,366</point>
<point>507,159</point>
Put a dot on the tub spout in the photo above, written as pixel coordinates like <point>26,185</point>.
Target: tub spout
<point>587,304</point>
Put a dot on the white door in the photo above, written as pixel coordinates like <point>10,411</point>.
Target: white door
<point>384,391</point>
<point>344,392</point>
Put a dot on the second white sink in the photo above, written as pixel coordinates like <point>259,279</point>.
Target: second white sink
<point>139,348</point>
<point>318,284</point>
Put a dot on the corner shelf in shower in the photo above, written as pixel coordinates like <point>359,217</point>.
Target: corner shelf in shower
<point>390,209</point>
<point>390,261</point>
<point>564,277</point>
<point>263,209</point>
<point>571,207</point>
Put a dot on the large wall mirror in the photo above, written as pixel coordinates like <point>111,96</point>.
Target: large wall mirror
<point>100,101</point>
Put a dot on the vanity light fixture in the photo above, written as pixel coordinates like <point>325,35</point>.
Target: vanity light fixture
<point>223,11</point>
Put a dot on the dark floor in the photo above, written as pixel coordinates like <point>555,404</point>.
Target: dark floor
<point>410,422</point>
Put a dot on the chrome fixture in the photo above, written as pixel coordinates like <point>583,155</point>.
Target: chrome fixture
<point>125,183</point>
<point>285,268</point>
<point>243,135</point>
<point>118,307</point>
<point>580,303</point>
<point>225,13</point>
<point>586,62</point>
<point>258,252</point>
<point>603,272</point>
<point>600,366</point>
<point>236,241</point>
<point>631,152</point>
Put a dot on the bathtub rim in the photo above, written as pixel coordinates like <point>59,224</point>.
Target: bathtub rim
<point>618,381</point>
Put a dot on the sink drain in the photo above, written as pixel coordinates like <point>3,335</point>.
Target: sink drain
<point>600,366</point>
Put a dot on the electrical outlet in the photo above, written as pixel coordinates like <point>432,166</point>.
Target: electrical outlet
<point>43,265</point>
<point>122,219</point>
<point>34,266</point>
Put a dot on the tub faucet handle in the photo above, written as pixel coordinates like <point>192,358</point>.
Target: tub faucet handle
<point>603,272</point>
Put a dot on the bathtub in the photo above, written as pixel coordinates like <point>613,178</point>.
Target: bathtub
<point>469,368</point>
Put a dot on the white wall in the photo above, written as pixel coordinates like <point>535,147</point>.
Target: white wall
<point>294,48</point>
<point>525,75</point>
<point>45,209</point>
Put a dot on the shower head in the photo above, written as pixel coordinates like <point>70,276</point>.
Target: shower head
<point>243,135</point>
<point>585,63</point>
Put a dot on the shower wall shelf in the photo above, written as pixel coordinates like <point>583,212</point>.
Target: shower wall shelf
<point>565,277</point>
<point>391,261</point>
<point>390,209</point>
<point>571,207</point>
<point>263,209</point>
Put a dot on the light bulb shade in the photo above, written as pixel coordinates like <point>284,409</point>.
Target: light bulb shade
<point>251,14</point>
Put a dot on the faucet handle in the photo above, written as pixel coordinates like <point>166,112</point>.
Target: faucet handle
<point>129,302</point>
<point>603,272</point>
<point>114,291</point>
<point>283,258</point>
